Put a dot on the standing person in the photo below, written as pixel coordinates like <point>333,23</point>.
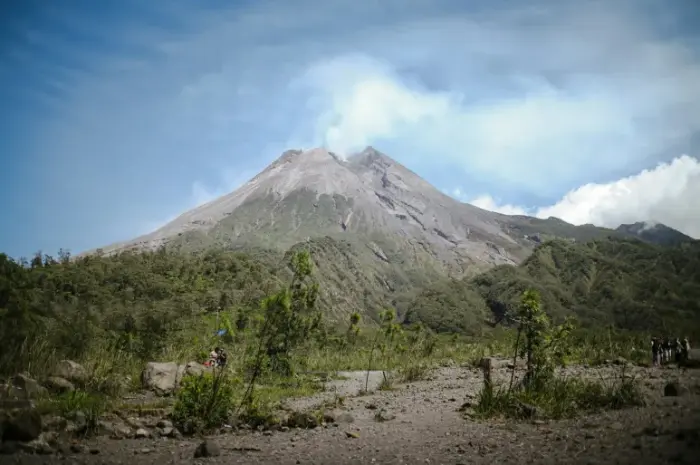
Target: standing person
<point>677,350</point>
<point>655,351</point>
<point>686,347</point>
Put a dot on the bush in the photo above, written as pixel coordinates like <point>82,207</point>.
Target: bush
<point>414,371</point>
<point>204,402</point>
<point>541,392</point>
<point>77,403</point>
<point>560,398</point>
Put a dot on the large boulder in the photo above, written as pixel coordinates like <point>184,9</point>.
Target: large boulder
<point>164,378</point>
<point>71,371</point>
<point>22,424</point>
<point>58,385</point>
<point>24,387</point>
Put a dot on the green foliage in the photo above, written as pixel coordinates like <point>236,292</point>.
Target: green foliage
<point>290,320</point>
<point>544,346</point>
<point>624,283</point>
<point>139,304</point>
<point>77,405</point>
<point>290,316</point>
<point>449,306</point>
<point>203,402</point>
<point>560,398</point>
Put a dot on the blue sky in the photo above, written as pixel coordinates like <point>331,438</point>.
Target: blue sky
<point>118,116</point>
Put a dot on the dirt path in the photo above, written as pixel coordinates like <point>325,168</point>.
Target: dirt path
<point>423,426</point>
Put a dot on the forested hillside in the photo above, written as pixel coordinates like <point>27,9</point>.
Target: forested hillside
<point>151,300</point>
<point>627,283</point>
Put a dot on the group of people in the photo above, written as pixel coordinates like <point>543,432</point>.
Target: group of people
<point>217,358</point>
<point>667,350</point>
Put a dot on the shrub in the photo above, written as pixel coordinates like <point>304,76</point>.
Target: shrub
<point>542,393</point>
<point>76,404</point>
<point>203,402</point>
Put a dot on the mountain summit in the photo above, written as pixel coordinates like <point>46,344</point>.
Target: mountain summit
<point>367,199</point>
<point>305,194</point>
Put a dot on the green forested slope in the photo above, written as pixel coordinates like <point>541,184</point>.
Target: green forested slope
<point>150,300</point>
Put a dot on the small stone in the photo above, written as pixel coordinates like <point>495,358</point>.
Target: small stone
<point>352,434</point>
<point>21,425</point>
<point>164,424</point>
<point>142,433</point>
<point>207,449</point>
<point>344,418</point>
<point>674,389</point>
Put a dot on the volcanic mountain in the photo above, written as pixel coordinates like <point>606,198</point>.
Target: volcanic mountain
<point>315,193</point>
<point>377,230</point>
<point>369,198</point>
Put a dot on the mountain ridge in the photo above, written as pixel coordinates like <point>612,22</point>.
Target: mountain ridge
<point>315,193</point>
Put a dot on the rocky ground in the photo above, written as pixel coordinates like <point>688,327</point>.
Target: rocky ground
<point>421,423</point>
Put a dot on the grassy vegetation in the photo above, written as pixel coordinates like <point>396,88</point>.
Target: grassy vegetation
<point>541,393</point>
<point>114,314</point>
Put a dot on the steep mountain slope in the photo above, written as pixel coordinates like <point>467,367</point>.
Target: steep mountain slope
<point>655,233</point>
<point>369,200</point>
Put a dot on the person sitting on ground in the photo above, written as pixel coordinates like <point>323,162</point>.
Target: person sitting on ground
<point>213,358</point>
<point>221,357</point>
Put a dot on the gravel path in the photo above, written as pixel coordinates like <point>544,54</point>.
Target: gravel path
<point>423,425</point>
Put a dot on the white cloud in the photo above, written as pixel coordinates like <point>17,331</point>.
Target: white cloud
<point>513,101</point>
<point>668,194</point>
<point>567,111</point>
<point>489,203</point>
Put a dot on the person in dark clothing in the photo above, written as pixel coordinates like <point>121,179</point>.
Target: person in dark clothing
<point>655,351</point>
<point>677,350</point>
<point>222,357</point>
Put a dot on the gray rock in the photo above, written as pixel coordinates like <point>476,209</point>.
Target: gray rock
<point>160,378</point>
<point>164,424</point>
<point>164,378</point>
<point>674,389</point>
<point>142,433</point>
<point>37,446</point>
<point>20,425</point>
<point>58,385</point>
<point>71,371</point>
<point>26,387</point>
<point>207,449</point>
<point>344,417</point>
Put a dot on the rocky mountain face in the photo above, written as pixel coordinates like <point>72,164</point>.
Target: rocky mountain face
<point>655,233</point>
<point>368,199</point>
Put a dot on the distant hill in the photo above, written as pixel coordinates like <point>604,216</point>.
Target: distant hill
<point>627,283</point>
<point>655,233</point>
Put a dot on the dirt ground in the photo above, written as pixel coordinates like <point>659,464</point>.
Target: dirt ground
<point>422,425</point>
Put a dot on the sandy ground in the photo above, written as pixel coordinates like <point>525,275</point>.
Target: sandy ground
<point>422,425</point>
